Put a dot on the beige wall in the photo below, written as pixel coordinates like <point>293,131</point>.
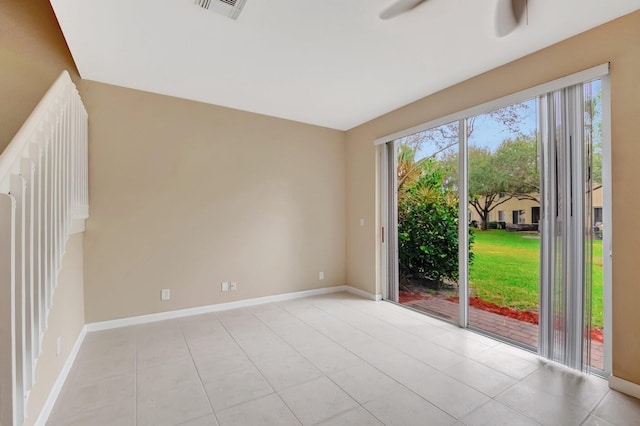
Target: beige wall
<point>66,320</point>
<point>185,195</point>
<point>616,42</point>
<point>33,53</point>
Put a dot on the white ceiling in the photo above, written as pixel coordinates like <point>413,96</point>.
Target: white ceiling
<point>333,63</point>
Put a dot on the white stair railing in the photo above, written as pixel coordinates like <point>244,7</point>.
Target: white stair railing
<point>43,197</point>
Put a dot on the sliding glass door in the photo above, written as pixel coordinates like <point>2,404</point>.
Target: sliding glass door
<point>504,205</point>
<point>497,223</point>
<point>426,176</point>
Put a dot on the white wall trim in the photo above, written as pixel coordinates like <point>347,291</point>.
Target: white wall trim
<point>45,412</point>
<point>363,294</point>
<point>161,316</point>
<point>624,386</point>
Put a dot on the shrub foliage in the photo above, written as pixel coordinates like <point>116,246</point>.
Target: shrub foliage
<point>428,226</point>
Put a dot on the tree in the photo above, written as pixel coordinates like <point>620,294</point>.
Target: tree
<point>509,172</point>
<point>517,164</point>
<point>593,133</point>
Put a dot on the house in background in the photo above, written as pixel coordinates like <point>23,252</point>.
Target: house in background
<point>527,211</point>
<point>185,194</point>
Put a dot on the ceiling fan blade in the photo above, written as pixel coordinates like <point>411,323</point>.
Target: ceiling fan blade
<point>399,7</point>
<point>509,15</point>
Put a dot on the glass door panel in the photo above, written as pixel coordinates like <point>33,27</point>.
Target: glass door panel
<point>427,215</point>
<point>504,201</point>
<point>595,230</point>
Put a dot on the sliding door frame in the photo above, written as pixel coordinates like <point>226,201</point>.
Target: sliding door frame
<point>387,213</point>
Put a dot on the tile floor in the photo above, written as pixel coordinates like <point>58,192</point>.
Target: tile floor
<point>327,360</point>
<point>513,329</point>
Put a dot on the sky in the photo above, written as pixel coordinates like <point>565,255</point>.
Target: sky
<point>490,133</point>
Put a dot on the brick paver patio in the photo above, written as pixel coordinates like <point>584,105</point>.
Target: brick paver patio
<point>520,331</point>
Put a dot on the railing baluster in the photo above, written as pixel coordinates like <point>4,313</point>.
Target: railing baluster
<point>46,230</point>
<point>36,155</point>
<point>28,172</point>
<point>8,414</point>
<point>18,191</point>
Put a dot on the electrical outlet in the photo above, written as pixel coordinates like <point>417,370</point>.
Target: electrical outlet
<point>224,286</point>
<point>321,276</point>
<point>166,294</point>
<point>58,346</point>
<point>234,286</point>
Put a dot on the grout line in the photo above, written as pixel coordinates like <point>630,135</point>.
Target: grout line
<point>364,361</point>
<point>592,411</point>
<point>193,361</point>
<point>258,369</point>
<point>313,364</point>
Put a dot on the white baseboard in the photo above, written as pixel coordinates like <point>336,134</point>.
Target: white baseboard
<point>624,386</point>
<point>362,293</point>
<point>62,377</point>
<point>144,319</point>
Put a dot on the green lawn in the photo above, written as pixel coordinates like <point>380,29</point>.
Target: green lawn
<point>506,266</point>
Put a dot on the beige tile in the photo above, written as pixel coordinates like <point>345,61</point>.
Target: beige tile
<point>112,337</point>
<point>265,411</point>
<point>405,408</point>
<point>355,417</point>
<point>494,413</point>
<point>202,326</point>
<point>210,369</point>
<point>219,347</point>
<point>365,383</point>
<point>580,389</point>
<point>285,372</point>
<point>157,353</point>
<point>506,362</point>
<point>619,409</point>
<point>331,357</point>
<point>543,407</point>
<point>80,399</point>
<point>302,336</point>
<point>266,348</point>
<point>97,367</point>
<point>161,378</point>
<point>109,341</point>
<point>202,421</point>
<point>593,420</point>
<point>237,387</point>
<point>163,332</point>
<point>317,400</point>
<point>451,396</point>
<point>119,414</point>
<point>173,407</point>
<point>480,377</point>
<point>430,353</point>
<point>461,342</point>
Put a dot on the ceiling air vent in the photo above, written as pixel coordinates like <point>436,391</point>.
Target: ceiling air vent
<point>229,8</point>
